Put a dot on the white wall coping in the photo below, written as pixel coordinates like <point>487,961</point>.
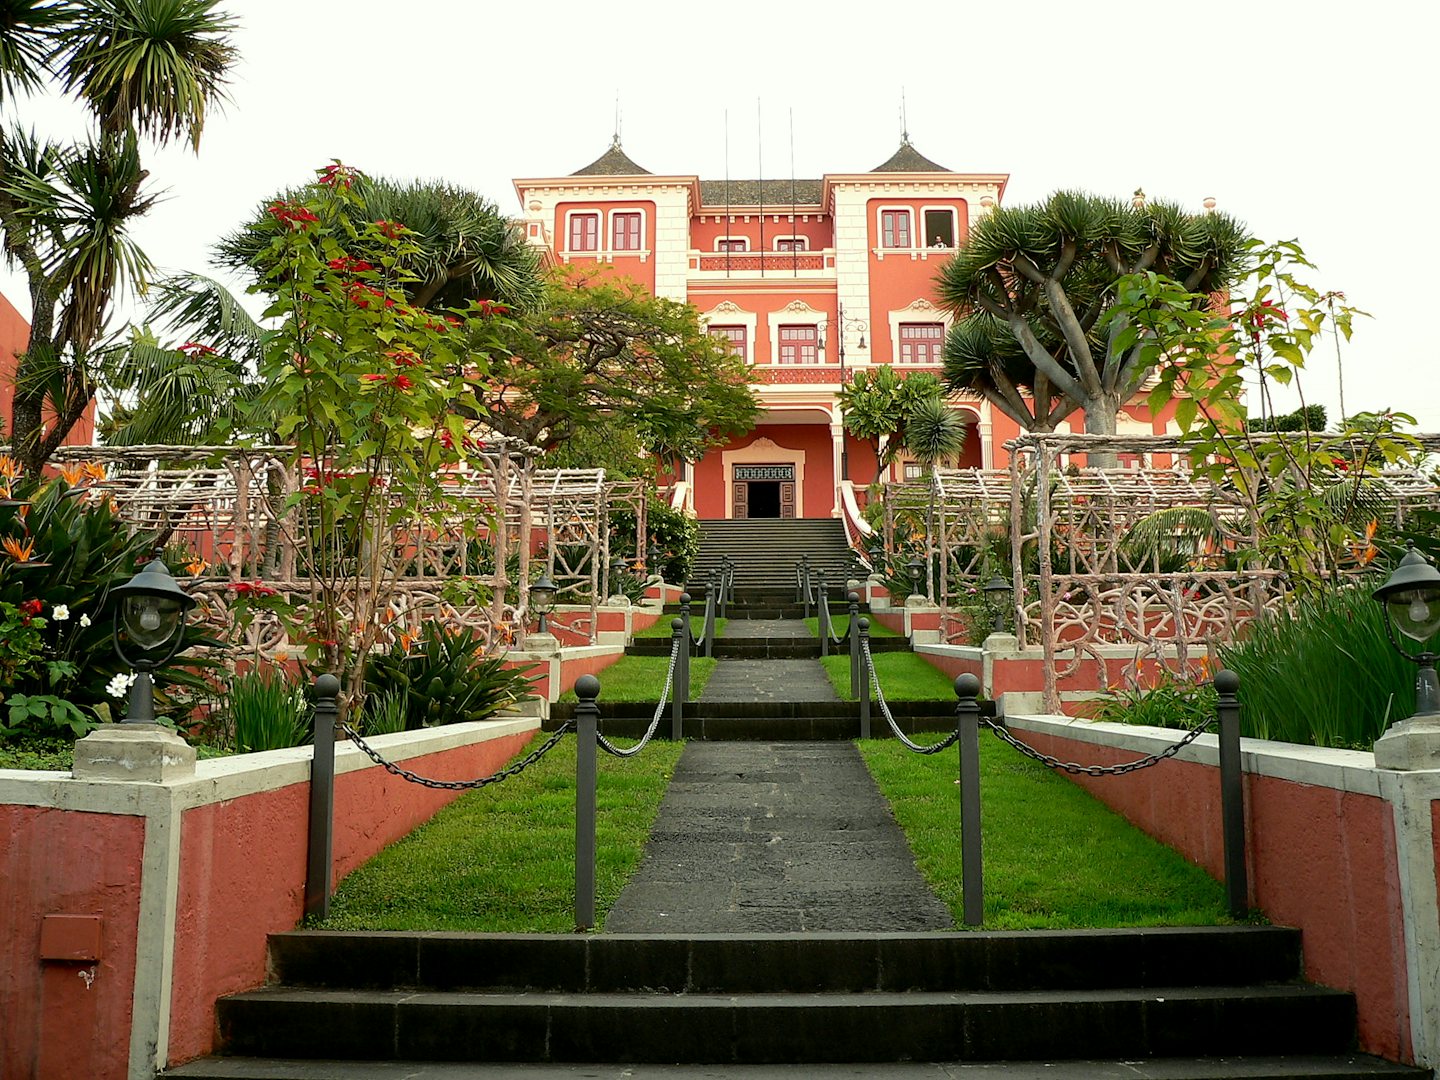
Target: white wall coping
<point>1317,766</point>
<point>960,652</point>
<point>222,779</point>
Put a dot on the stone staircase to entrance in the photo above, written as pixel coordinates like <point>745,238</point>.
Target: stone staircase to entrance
<point>764,552</point>
<point>1187,1002</point>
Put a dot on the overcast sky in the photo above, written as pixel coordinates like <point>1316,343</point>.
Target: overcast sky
<point>1308,120</point>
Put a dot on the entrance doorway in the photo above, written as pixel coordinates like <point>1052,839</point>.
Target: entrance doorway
<point>763,491</point>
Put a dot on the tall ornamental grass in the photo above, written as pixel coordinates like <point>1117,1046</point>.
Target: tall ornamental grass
<point>1322,672</point>
<point>267,711</point>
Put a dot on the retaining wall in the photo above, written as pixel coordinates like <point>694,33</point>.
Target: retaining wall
<point>1343,850</point>
<point>127,908</point>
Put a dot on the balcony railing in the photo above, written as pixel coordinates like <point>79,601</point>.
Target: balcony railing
<point>754,262</point>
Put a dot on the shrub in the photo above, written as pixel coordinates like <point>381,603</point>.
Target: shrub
<point>446,679</point>
<point>674,540</point>
<point>1322,672</point>
<point>267,711</point>
<point>65,549</point>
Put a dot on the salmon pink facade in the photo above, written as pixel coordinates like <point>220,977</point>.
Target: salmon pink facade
<point>809,281</point>
<point>14,340</point>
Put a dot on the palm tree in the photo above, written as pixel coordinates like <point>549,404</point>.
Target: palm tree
<point>468,249</point>
<point>142,68</point>
<point>1033,285</point>
<point>934,434</point>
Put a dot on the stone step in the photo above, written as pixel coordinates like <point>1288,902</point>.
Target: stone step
<point>1335,1067</point>
<point>939,711</point>
<point>763,648</point>
<point>989,961</point>
<point>787,1028</point>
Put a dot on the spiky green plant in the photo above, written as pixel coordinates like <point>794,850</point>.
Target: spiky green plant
<point>268,711</point>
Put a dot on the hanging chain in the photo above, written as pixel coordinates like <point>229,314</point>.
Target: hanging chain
<point>610,748</point>
<point>457,785</point>
<point>918,748</point>
<point>1075,769</point>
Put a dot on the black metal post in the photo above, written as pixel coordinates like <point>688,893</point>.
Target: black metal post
<point>140,706</point>
<point>587,724</point>
<point>852,632</point>
<point>972,874</point>
<point>710,598</point>
<point>685,614</point>
<point>822,611</point>
<point>318,867</point>
<point>1232,793</point>
<point>805,582</point>
<point>677,695</point>
<point>864,694</point>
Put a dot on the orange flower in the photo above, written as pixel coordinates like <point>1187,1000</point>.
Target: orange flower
<point>94,470</point>
<point>196,566</point>
<point>20,552</point>
<point>72,474</point>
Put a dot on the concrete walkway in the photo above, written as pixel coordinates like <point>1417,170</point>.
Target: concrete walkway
<point>768,680</point>
<point>774,837</point>
<point>766,628</point>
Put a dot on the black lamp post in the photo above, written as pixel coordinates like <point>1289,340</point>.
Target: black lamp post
<point>917,575</point>
<point>997,592</point>
<point>542,601</point>
<point>150,615</point>
<point>1411,597</point>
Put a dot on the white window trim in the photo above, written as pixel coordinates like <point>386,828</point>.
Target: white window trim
<point>763,452</point>
<point>642,251</point>
<point>728,313</point>
<point>743,239</point>
<point>917,311</point>
<point>796,313</point>
<point>804,240</point>
<point>954,225</point>
<point>880,212</point>
<point>600,239</point>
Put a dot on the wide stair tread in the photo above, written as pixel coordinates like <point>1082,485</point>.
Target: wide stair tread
<point>1331,1067</point>
<point>1093,998</point>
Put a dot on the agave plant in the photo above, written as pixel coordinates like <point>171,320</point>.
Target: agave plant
<point>446,679</point>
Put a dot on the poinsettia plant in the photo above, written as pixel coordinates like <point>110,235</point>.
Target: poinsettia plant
<point>376,395</point>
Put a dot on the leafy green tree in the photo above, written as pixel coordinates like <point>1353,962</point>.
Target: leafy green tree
<point>600,352</point>
<point>1033,283</point>
<point>143,69</point>
<point>877,405</point>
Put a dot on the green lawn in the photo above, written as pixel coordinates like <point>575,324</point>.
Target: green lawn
<point>502,859</point>
<point>840,624</point>
<point>641,678</point>
<point>1055,858</point>
<point>661,628</point>
<point>904,676</point>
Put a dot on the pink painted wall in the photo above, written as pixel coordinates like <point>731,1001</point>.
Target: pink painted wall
<point>242,872</point>
<point>64,862</point>
<point>1320,859</point>
<point>813,439</point>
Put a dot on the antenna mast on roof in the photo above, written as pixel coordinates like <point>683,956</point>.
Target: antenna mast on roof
<point>615,142</point>
<point>794,243</point>
<point>760,183</point>
<point>904,121</point>
<point>727,194</point>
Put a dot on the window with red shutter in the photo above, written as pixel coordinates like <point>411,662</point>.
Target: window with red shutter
<point>584,232</point>
<point>798,345</point>
<point>895,228</point>
<point>625,232</point>
<point>921,343</point>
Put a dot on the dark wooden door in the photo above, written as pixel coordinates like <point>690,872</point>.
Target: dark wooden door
<point>741,508</point>
<point>787,499</point>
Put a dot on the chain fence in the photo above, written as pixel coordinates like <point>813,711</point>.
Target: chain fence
<point>1076,769</point>
<point>630,751</point>
<point>458,785</point>
<point>918,748</point>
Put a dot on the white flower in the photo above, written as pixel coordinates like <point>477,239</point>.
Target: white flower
<point>119,685</point>
<point>84,621</point>
<point>60,612</point>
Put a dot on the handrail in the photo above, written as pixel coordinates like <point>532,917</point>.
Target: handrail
<point>857,529</point>
<point>679,495</point>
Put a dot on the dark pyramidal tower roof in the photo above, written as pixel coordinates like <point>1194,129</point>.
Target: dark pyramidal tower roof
<point>614,162</point>
<point>908,159</point>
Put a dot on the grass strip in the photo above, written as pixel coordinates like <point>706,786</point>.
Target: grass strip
<point>502,859</point>
<point>641,678</point>
<point>1055,857</point>
<point>661,627</point>
<point>840,624</point>
<point>903,676</point>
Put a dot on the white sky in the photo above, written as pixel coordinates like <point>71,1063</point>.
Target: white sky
<point>1308,120</point>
